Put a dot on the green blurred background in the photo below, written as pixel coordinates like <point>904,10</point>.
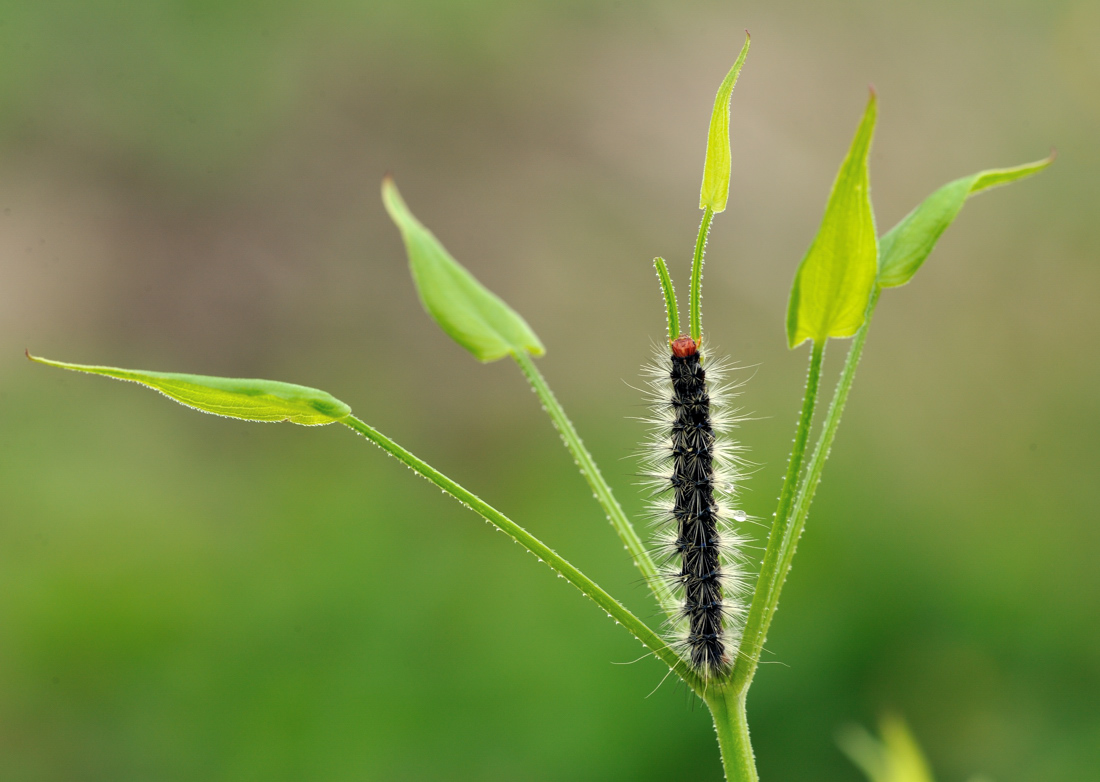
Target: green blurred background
<point>193,186</point>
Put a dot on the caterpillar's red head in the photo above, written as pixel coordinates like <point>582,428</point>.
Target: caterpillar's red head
<point>684,346</point>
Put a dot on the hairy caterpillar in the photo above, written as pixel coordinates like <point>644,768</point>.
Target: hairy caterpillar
<point>693,470</point>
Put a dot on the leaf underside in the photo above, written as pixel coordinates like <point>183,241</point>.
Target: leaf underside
<point>905,247</point>
<point>248,400</point>
<point>471,314</point>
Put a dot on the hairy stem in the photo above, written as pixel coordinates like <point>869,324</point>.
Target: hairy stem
<point>556,562</point>
<point>671,309</point>
<point>727,707</point>
<point>695,308</point>
<point>824,443</point>
<point>596,480</point>
<point>765,597</point>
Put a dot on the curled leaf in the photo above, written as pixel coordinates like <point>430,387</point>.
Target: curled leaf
<point>716,168</point>
<point>905,247</point>
<point>833,283</point>
<point>470,313</point>
<point>249,400</point>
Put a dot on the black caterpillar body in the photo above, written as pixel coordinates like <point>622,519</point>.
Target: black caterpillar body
<point>694,468</point>
<point>695,510</point>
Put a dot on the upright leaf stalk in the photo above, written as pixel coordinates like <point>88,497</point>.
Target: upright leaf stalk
<point>613,607</point>
<point>596,481</point>
<point>765,597</point>
<point>695,307</point>
<point>824,443</point>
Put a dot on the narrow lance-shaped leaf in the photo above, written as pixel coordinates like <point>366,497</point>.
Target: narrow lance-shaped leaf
<point>716,168</point>
<point>249,400</point>
<point>470,313</point>
<point>904,247</point>
<point>833,282</point>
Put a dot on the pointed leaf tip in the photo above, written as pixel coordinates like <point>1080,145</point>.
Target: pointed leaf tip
<point>246,399</point>
<point>906,246</point>
<point>833,283</point>
<point>471,314</point>
<point>715,190</point>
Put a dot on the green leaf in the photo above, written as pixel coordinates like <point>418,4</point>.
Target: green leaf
<point>896,758</point>
<point>833,282</point>
<point>470,313</point>
<point>904,247</point>
<point>716,168</point>
<point>250,400</point>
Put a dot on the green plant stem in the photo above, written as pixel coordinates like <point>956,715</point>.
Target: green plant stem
<point>555,561</point>
<point>765,597</point>
<point>671,310</point>
<point>727,707</point>
<point>596,480</point>
<point>695,309</point>
<point>824,444</point>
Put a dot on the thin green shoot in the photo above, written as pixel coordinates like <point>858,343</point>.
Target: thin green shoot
<point>672,311</point>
